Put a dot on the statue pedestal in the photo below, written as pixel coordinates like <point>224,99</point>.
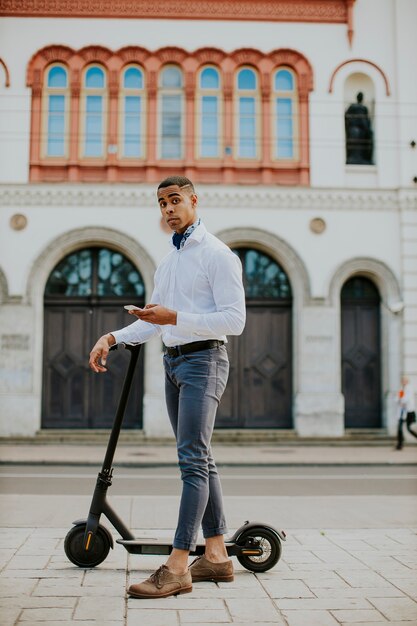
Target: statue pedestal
<point>362,176</point>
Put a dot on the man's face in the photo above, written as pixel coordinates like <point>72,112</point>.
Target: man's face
<point>178,207</point>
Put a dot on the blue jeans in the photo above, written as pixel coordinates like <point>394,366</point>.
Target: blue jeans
<point>194,384</point>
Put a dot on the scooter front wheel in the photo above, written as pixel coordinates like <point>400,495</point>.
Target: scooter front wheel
<point>76,552</point>
<point>271,548</point>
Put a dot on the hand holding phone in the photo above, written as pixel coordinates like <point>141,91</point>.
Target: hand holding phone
<point>132,307</point>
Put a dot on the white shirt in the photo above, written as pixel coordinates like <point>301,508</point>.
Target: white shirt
<point>202,281</point>
<point>407,401</point>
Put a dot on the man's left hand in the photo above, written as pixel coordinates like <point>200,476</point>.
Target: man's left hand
<point>156,314</point>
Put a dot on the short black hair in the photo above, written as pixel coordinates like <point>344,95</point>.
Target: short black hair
<point>180,181</point>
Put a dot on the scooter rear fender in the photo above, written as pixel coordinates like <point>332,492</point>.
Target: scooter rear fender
<point>83,522</point>
<point>248,525</point>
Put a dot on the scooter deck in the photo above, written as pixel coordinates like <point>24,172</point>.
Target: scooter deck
<point>150,545</point>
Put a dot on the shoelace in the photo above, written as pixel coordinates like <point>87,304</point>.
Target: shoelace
<point>156,576</point>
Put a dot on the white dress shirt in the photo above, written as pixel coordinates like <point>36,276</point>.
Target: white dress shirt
<point>202,282</point>
<point>407,401</point>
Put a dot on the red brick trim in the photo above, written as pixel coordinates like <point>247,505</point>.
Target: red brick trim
<point>387,87</point>
<point>225,169</point>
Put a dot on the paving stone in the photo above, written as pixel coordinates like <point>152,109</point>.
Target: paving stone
<point>28,562</point>
<point>363,579</point>
<point>302,556</point>
<point>30,602</point>
<point>16,587</point>
<point>75,573</point>
<point>243,580</point>
<point>321,566</point>
<point>310,618</point>
<point>314,604</point>
<point>73,623</point>
<point>358,592</point>
<point>336,557</point>
<point>287,589</point>
<point>177,603</point>
<point>396,608</point>
<point>383,623</point>
<point>47,587</point>
<point>245,610</point>
<point>30,615</point>
<point>201,590</point>
<point>93,577</point>
<point>407,585</point>
<point>323,574</point>
<point>151,617</point>
<point>204,616</point>
<point>355,617</point>
<point>103,608</point>
<point>9,615</point>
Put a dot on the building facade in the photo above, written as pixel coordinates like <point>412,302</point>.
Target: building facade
<point>311,184</point>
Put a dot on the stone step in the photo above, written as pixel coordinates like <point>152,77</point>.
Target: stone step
<point>245,437</point>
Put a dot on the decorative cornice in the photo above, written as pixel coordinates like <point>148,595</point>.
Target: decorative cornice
<point>277,198</point>
<point>334,11</point>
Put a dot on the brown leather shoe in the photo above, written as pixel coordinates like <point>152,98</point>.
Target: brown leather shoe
<point>203,569</point>
<point>162,584</point>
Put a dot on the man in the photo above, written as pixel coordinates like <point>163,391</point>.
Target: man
<point>407,411</point>
<point>197,301</point>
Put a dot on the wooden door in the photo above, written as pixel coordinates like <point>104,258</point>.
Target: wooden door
<point>84,298</point>
<point>361,354</point>
<point>259,391</point>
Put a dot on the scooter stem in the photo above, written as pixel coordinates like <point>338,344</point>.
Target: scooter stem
<point>117,424</point>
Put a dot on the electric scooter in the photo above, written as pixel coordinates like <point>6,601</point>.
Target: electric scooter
<point>257,546</point>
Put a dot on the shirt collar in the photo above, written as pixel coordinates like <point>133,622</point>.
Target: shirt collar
<point>195,232</point>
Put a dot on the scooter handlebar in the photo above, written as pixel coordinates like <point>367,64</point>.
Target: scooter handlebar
<point>132,347</point>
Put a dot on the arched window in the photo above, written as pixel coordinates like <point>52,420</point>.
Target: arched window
<point>171,113</point>
<point>262,276</point>
<point>57,112</point>
<point>247,114</point>
<point>100,271</point>
<point>133,113</point>
<point>285,131</point>
<point>94,109</point>
<point>209,118</point>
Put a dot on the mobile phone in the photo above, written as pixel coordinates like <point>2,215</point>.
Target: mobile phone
<point>132,307</point>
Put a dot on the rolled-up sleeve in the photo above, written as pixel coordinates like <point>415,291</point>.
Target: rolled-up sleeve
<point>225,277</point>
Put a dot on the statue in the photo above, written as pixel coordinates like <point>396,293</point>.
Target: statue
<point>359,136</point>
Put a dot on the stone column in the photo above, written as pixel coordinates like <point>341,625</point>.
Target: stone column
<point>319,403</point>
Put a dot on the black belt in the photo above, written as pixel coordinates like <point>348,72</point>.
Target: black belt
<point>195,346</point>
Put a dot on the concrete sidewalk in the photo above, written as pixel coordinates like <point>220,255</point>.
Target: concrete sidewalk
<point>245,455</point>
<point>325,578</point>
<point>347,561</point>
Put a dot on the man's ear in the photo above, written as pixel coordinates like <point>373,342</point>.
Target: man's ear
<point>194,200</point>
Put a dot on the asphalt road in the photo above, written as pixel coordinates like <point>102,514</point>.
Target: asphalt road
<point>236,481</point>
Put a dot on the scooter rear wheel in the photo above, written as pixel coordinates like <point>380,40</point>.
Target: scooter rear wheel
<point>270,544</point>
<point>77,554</point>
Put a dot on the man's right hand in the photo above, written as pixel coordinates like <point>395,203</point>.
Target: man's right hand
<point>98,355</point>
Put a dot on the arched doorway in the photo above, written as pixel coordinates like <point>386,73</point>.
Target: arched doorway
<point>84,298</point>
<point>361,353</point>
<point>259,391</point>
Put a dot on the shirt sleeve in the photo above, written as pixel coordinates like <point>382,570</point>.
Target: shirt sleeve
<point>225,277</point>
<point>139,331</point>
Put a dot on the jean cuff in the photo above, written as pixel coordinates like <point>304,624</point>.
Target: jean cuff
<point>214,532</point>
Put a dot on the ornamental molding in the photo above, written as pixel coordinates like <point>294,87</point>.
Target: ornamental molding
<point>228,197</point>
<point>333,11</point>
